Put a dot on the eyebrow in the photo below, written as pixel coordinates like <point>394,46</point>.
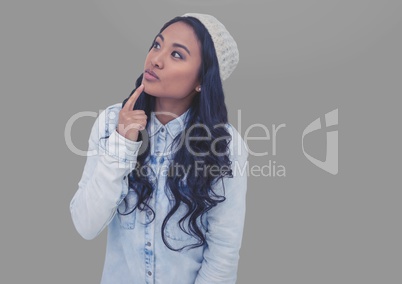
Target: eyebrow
<point>175,44</point>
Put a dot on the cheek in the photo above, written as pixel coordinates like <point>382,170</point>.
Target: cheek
<point>181,77</point>
<point>187,82</point>
<point>180,84</point>
<point>189,76</point>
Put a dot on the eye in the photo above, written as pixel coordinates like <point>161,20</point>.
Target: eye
<point>156,45</point>
<point>176,54</point>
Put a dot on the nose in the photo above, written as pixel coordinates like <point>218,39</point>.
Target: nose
<point>157,60</point>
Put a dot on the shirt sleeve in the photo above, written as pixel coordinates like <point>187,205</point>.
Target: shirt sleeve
<point>103,185</point>
<point>226,222</point>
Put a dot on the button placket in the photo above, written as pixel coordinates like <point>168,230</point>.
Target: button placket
<point>159,144</point>
<point>149,239</point>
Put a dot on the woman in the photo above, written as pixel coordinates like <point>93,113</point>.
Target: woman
<point>165,170</point>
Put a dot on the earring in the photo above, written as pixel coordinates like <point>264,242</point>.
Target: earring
<point>198,89</point>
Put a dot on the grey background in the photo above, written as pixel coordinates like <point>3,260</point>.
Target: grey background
<point>298,61</point>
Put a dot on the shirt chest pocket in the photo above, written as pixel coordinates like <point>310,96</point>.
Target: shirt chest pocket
<point>127,210</point>
<point>174,233</point>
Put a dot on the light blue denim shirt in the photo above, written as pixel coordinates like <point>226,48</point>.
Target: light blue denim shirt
<point>135,252</point>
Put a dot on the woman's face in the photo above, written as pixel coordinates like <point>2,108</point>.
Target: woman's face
<point>172,65</point>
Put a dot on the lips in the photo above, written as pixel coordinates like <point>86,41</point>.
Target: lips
<point>149,73</point>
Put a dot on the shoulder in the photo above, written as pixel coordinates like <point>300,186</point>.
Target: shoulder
<point>107,120</point>
<point>111,112</point>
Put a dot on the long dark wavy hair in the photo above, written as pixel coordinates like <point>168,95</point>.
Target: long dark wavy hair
<point>208,108</point>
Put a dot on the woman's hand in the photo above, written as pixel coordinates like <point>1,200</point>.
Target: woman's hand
<point>132,121</point>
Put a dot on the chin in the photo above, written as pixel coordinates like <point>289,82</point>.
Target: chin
<point>149,89</point>
<point>152,93</point>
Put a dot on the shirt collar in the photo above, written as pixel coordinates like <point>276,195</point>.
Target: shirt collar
<point>173,127</point>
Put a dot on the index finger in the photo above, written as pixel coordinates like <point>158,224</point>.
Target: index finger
<point>131,100</point>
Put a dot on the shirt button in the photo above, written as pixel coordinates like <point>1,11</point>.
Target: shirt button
<point>149,273</point>
<point>162,129</point>
<point>148,244</point>
<point>149,212</point>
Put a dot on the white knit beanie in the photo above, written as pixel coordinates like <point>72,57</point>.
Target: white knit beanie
<point>225,45</point>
